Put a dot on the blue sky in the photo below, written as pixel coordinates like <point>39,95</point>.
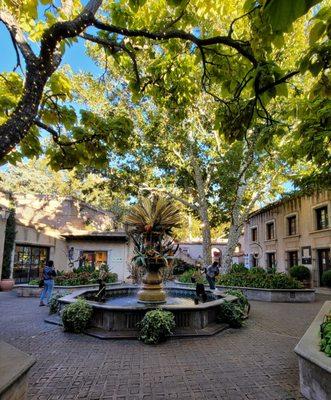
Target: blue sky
<point>75,55</point>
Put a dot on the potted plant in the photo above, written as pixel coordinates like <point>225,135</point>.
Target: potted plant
<point>6,282</point>
<point>150,224</point>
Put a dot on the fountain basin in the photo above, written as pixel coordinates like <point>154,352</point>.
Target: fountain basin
<point>121,312</point>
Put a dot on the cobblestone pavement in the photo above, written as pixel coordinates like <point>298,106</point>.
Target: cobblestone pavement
<point>255,362</point>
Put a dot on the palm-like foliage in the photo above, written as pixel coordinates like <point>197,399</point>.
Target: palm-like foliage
<point>156,215</point>
<point>150,224</point>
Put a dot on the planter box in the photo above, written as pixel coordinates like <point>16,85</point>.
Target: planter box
<point>26,290</point>
<point>314,365</point>
<point>273,295</point>
<point>14,366</point>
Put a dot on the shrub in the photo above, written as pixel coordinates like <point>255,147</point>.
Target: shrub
<point>231,313</point>
<point>181,267</point>
<point>326,278</point>
<point>54,305</point>
<point>34,282</point>
<point>300,272</point>
<point>156,326</point>
<point>186,276</point>
<point>80,277</point>
<point>259,280</point>
<point>325,343</point>
<point>76,316</point>
<point>242,299</point>
<point>238,268</point>
<point>257,271</point>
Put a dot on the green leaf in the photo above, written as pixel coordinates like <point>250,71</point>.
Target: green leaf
<point>316,32</point>
<point>282,13</point>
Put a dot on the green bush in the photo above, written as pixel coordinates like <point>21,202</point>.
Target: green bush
<point>81,277</point>
<point>300,272</point>
<point>257,271</point>
<point>231,313</point>
<point>325,343</point>
<point>186,276</point>
<point>156,326</point>
<point>260,279</point>
<point>76,316</point>
<point>181,266</point>
<point>238,268</point>
<point>53,303</point>
<point>242,299</point>
<point>326,278</point>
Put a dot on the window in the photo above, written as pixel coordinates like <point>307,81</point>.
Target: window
<point>29,262</point>
<point>270,230</point>
<point>322,218</point>
<point>271,260</point>
<point>254,234</point>
<point>92,259</point>
<point>292,258</point>
<point>292,225</point>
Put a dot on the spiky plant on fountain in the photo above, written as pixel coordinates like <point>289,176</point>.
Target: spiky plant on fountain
<point>150,223</point>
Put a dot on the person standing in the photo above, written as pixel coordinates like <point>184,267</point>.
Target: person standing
<point>48,277</point>
<point>211,272</point>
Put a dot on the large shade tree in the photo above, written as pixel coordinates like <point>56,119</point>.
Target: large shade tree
<point>205,33</point>
<point>240,55</point>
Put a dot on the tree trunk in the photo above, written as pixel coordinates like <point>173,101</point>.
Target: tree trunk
<point>233,238</point>
<point>203,212</point>
<point>238,214</point>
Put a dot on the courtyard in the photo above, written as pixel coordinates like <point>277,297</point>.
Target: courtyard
<point>255,362</point>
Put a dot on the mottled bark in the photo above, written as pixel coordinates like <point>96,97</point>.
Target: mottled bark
<point>238,212</point>
<point>203,211</point>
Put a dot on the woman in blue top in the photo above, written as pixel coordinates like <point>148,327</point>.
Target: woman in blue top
<point>48,277</point>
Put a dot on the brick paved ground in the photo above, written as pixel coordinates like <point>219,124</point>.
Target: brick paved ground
<point>255,362</point>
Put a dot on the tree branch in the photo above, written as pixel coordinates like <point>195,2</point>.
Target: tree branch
<point>186,203</point>
<point>115,47</point>
<point>277,82</point>
<point>242,47</point>
<point>17,36</point>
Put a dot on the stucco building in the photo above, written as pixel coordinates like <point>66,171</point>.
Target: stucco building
<point>192,251</point>
<point>62,229</point>
<point>294,230</point>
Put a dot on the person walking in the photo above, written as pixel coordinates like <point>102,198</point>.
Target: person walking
<point>211,272</point>
<point>48,277</point>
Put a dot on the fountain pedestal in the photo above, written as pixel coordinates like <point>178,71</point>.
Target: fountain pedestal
<point>152,289</point>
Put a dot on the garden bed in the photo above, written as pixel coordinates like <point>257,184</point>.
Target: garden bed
<point>274,295</point>
<point>26,290</point>
<point>314,365</point>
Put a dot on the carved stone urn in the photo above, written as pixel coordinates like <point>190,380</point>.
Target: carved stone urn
<point>152,288</point>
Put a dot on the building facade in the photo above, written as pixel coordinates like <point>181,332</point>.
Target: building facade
<point>65,230</point>
<point>192,251</point>
<point>292,231</point>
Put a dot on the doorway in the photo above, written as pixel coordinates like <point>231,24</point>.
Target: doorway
<point>324,261</point>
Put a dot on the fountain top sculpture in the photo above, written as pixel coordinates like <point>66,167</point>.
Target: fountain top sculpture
<point>150,223</point>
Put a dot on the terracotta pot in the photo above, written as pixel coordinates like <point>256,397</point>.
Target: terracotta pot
<point>6,284</point>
